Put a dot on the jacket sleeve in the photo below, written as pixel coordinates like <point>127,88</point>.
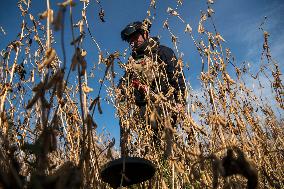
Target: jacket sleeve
<point>174,72</point>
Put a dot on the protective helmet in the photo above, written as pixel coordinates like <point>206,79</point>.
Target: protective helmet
<point>135,27</point>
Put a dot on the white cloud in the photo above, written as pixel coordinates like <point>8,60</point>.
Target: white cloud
<point>254,38</point>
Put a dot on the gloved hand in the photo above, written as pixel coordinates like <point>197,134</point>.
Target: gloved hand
<point>142,88</point>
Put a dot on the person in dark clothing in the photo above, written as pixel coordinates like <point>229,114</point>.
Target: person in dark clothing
<point>152,72</point>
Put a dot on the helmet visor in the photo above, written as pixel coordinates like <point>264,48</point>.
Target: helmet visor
<point>129,30</point>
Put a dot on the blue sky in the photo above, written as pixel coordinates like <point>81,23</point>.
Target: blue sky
<point>237,21</point>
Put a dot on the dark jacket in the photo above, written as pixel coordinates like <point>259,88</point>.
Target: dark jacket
<point>173,72</point>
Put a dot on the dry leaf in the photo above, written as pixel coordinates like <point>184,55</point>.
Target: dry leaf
<point>172,11</point>
<point>79,59</point>
<point>112,143</point>
<point>101,58</point>
<point>54,79</point>
<point>94,102</point>
<point>193,108</point>
<point>60,87</point>
<point>90,122</point>
<point>203,17</point>
<point>43,15</point>
<point>49,57</point>
<point>179,167</point>
<point>179,2</point>
<point>83,52</point>
<point>66,3</point>
<point>77,40</point>
<point>83,64</point>
<point>99,107</point>
<point>210,12</point>
<point>74,61</point>
<point>174,38</point>
<point>80,25</point>
<point>201,28</point>
<point>166,24</point>
<point>229,79</point>
<point>59,19</point>
<point>15,44</point>
<point>170,92</point>
<point>86,89</point>
<point>101,15</point>
<point>33,101</point>
<point>85,1</point>
<point>188,28</point>
<point>219,38</point>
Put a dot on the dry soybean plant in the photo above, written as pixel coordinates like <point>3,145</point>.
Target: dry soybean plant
<point>225,137</point>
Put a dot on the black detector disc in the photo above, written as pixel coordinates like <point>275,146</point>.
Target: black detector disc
<point>136,170</point>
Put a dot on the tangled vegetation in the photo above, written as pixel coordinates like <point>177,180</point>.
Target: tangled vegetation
<point>225,137</point>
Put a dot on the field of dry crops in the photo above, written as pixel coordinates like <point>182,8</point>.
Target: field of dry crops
<point>226,136</point>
